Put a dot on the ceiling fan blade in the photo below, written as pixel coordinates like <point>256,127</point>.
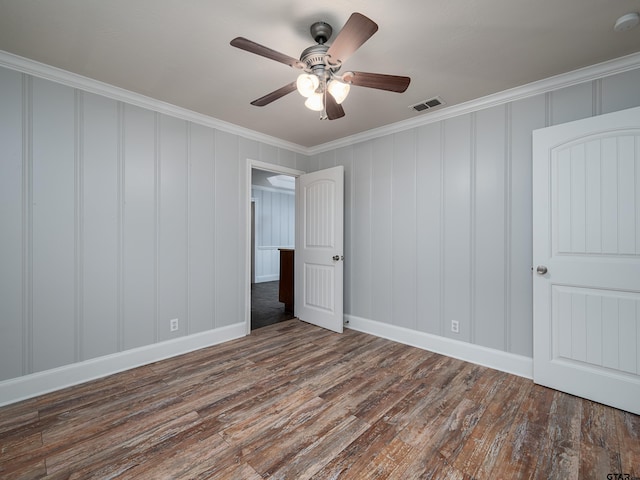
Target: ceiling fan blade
<point>253,47</point>
<point>392,83</point>
<point>355,32</point>
<point>334,110</point>
<point>275,95</point>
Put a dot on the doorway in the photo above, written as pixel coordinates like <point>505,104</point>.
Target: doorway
<point>272,227</point>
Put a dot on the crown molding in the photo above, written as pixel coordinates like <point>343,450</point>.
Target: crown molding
<point>47,72</point>
<point>557,82</point>
<point>590,73</point>
<point>273,190</point>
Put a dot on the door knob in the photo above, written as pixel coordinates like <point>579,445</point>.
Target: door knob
<point>541,270</point>
<point>338,257</point>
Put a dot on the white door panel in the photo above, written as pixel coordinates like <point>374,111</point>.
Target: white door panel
<point>586,214</point>
<point>319,248</point>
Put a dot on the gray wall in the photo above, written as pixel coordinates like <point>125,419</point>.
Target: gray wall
<point>438,217</point>
<point>274,228</point>
<point>115,219</point>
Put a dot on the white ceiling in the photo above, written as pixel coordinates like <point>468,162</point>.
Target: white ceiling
<point>178,51</point>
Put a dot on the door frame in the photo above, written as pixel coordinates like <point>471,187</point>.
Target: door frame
<point>250,166</point>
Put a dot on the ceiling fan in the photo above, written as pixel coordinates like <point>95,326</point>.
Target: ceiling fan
<point>321,63</point>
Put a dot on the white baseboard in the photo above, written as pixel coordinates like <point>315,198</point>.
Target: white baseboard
<point>488,357</point>
<point>28,386</point>
<point>268,278</point>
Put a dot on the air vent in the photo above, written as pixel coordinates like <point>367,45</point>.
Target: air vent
<point>427,104</point>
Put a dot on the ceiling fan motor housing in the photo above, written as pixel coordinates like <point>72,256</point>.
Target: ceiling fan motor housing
<point>321,32</point>
<point>314,58</point>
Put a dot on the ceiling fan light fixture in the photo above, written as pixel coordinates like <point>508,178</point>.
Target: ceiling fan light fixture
<point>315,102</point>
<point>339,90</point>
<point>307,84</point>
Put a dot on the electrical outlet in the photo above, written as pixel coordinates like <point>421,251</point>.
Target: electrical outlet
<point>455,326</point>
<point>173,325</point>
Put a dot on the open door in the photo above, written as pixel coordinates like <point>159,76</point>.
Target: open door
<point>586,254</point>
<point>319,264</point>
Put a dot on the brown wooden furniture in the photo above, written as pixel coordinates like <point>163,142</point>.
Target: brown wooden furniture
<point>286,278</point>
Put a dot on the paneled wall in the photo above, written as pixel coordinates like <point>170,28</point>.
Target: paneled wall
<point>438,217</point>
<point>274,229</point>
<point>115,220</point>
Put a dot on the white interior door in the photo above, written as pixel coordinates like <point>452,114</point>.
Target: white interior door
<point>586,257</point>
<point>319,250</point>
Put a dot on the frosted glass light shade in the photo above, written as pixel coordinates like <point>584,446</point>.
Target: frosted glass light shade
<point>339,90</point>
<point>307,84</point>
<point>315,102</point>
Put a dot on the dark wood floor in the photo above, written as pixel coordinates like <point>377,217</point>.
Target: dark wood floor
<point>294,401</point>
<point>266,309</point>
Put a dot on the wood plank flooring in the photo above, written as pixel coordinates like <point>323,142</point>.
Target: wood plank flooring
<point>292,401</point>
